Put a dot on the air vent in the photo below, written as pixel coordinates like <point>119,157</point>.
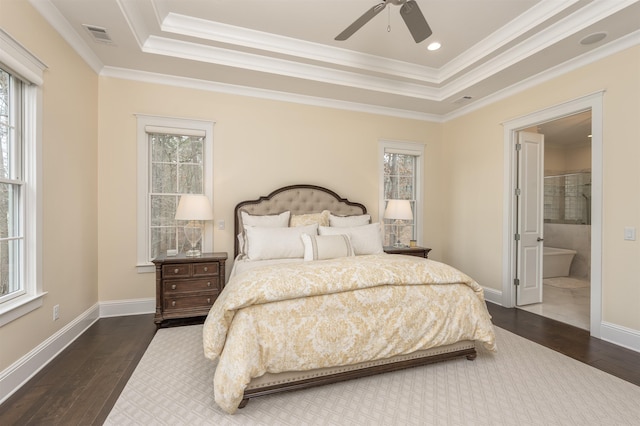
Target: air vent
<point>99,34</point>
<point>463,100</point>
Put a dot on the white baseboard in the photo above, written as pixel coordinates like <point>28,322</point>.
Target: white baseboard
<point>118,308</point>
<point>612,333</point>
<point>18,373</point>
<point>621,336</point>
<point>493,296</point>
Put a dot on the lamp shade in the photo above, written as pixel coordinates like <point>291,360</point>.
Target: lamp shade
<point>398,209</point>
<point>194,207</point>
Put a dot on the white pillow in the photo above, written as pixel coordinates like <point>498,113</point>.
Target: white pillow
<point>365,239</point>
<point>349,221</point>
<point>326,247</point>
<point>276,243</point>
<point>266,221</point>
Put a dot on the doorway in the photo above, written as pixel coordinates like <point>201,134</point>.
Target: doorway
<point>593,105</point>
<point>566,260</point>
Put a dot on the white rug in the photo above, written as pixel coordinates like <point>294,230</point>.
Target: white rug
<point>523,384</point>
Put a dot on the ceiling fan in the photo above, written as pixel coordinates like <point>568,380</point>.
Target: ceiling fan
<point>409,11</point>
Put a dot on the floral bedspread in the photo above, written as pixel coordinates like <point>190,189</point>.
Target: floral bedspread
<point>294,317</point>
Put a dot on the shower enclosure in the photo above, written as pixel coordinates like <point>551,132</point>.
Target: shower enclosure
<point>567,198</point>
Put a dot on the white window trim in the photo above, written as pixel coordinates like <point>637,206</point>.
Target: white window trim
<point>31,70</point>
<point>411,148</point>
<point>143,264</point>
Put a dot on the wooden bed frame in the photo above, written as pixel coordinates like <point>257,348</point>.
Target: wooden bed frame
<point>304,199</point>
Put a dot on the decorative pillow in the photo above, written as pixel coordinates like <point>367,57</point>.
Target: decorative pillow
<point>276,243</point>
<point>365,239</point>
<point>326,247</point>
<point>349,221</point>
<point>322,219</point>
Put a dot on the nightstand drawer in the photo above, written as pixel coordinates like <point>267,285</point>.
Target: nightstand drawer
<point>198,301</point>
<point>178,271</point>
<point>181,286</point>
<point>204,269</point>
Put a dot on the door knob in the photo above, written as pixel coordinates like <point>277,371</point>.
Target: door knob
<point>540,239</point>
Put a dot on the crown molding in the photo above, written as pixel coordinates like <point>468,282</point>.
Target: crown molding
<point>191,83</point>
<point>535,16</point>
<point>62,26</point>
<point>176,48</point>
<point>216,55</point>
<point>585,59</point>
<point>268,42</point>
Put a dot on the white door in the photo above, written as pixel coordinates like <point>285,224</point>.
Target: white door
<point>530,218</point>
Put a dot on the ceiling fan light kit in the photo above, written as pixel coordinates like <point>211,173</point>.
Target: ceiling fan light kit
<point>409,11</point>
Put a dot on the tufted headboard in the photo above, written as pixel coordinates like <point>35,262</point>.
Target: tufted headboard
<point>299,199</point>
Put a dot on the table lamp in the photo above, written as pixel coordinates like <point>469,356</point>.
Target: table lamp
<point>399,210</point>
<point>194,208</point>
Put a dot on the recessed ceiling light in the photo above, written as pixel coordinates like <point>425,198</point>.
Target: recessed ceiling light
<point>434,46</point>
<point>593,38</point>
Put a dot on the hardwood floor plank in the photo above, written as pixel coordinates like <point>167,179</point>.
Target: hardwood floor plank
<point>571,341</point>
<point>76,387</point>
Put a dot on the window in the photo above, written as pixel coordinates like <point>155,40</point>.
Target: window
<point>400,179</point>
<point>20,212</point>
<point>175,158</point>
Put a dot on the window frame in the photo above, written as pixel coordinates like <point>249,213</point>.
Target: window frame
<point>410,148</point>
<point>21,64</point>
<point>144,264</point>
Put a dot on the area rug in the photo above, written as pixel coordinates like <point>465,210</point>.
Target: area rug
<point>523,384</point>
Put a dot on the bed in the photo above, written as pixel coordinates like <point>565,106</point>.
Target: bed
<point>340,309</point>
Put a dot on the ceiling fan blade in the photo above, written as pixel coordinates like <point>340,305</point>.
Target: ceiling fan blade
<point>358,23</point>
<point>415,21</point>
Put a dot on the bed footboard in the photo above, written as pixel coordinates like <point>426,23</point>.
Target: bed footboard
<point>287,381</point>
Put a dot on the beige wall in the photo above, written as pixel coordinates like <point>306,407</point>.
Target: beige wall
<point>474,179</point>
<point>259,145</point>
<point>69,149</point>
<point>90,195</point>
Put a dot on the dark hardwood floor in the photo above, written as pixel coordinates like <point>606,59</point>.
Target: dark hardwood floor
<point>82,384</point>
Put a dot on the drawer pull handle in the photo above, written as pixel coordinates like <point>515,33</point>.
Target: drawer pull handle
<point>175,271</point>
<point>208,300</point>
<point>173,287</point>
<point>173,303</point>
<point>208,283</point>
<point>206,268</point>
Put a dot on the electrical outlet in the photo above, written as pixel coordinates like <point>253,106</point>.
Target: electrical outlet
<point>56,312</point>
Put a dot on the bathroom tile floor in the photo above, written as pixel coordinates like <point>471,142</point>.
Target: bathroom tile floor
<point>565,299</point>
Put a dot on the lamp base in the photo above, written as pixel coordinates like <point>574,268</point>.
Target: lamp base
<point>193,253</point>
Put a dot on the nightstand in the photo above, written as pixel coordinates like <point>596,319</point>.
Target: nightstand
<point>186,287</point>
<point>409,251</point>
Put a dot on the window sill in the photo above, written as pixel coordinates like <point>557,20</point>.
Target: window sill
<point>20,306</point>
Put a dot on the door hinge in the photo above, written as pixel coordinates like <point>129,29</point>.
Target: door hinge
<point>518,192</point>
<point>517,237</point>
<point>516,281</point>
<point>518,146</point>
